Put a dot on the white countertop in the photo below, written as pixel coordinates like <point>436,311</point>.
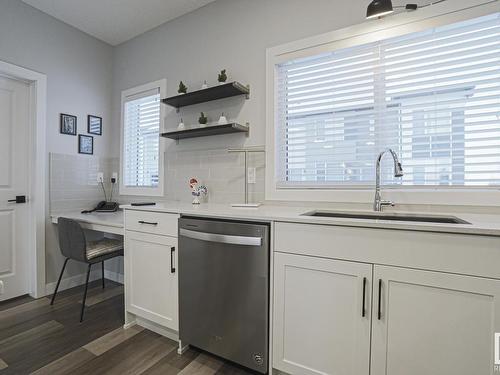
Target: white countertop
<point>480,224</point>
<point>109,222</point>
<point>114,219</point>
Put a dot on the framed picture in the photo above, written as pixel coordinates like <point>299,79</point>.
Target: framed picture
<point>68,124</point>
<point>94,125</point>
<point>85,144</point>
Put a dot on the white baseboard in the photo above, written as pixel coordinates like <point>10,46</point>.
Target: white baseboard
<point>168,333</point>
<point>114,276</point>
<point>71,282</point>
<point>78,280</point>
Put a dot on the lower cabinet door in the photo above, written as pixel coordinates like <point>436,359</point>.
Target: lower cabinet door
<point>151,283</point>
<point>433,323</point>
<point>321,316</point>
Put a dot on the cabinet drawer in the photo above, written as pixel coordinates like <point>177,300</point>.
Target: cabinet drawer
<point>151,222</point>
<point>442,252</point>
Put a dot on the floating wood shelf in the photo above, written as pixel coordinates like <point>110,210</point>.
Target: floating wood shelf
<point>206,95</point>
<point>206,131</point>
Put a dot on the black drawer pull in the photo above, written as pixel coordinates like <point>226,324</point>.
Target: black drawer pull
<point>379,314</point>
<point>363,308</point>
<point>172,266</point>
<point>147,222</point>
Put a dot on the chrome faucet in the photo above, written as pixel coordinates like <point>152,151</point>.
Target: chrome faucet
<point>378,203</point>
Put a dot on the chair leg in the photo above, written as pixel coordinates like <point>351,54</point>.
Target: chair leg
<point>102,274</point>
<point>59,281</point>
<point>85,292</point>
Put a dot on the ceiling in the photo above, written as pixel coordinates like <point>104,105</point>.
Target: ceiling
<point>116,21</point>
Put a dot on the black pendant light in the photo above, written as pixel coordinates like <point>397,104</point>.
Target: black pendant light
<point>379,8</point>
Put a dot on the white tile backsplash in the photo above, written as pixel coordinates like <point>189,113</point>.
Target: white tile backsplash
<point>222,172</point>
<point>73,178</point>
<point>73,181</point>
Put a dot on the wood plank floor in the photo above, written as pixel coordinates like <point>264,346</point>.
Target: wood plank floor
<point>36,338</point>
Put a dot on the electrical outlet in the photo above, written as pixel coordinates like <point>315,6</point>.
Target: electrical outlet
<point>100,177</point>
<point>251,175</point>
<point>2,289</point>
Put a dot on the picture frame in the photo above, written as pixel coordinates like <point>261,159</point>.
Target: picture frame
<point>68,124</point>
<point>85,144</point>
<point>94,125</point>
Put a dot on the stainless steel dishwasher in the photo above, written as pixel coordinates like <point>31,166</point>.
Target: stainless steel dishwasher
<point>224,289</point>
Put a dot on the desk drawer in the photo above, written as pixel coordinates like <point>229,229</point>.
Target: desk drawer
<point>151,222</point>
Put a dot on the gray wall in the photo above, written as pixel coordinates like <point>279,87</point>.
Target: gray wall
<point>87,76</point>
<point>79,73</point>
<point>231,34</point>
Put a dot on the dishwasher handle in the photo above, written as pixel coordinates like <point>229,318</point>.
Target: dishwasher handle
<point>221,238</point>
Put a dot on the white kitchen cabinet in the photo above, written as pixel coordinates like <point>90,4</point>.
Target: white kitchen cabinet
<point>319,323</point>
<point>151,282</point>
<point>433,323</point>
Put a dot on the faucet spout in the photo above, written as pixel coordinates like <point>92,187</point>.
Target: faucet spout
<point>378,203</point>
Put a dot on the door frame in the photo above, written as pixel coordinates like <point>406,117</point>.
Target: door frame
<point>37,171</point>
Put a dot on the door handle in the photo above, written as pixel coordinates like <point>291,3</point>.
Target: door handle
<point>379,312</point>
<point>363,308</point>
<point>221,238</point>
<point>19,199</point>
<point>172,266</point>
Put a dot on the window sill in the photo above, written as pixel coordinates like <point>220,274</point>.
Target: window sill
<point>422,196</point>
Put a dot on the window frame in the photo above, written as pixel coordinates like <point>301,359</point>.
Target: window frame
<point>157,191</point>
<point>370,31</point>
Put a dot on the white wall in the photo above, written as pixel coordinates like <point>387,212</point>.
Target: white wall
<point>234,34</point>
<point>230,34</point>
<point>79,74</point>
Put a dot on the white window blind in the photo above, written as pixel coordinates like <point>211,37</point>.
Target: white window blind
<point>141,143</point>
<point>432,96</point>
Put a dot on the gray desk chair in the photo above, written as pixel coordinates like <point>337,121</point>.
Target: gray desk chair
<point>74,245</point>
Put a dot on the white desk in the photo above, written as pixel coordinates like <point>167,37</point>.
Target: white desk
<point>108,222</point>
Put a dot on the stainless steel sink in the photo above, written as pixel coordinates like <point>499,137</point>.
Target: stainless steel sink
<point>388,216</point>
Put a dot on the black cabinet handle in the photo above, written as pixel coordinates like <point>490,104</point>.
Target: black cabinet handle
<point>172,266</point>
<point>363,308</point>
<point>379,314</point>
<point>147,222</point>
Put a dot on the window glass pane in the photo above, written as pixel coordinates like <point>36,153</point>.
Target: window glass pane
<point>141,141</point>
<point>432,96</point>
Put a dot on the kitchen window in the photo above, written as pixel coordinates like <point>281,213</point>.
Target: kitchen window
<point>142,154</point>
<point>433,96</point>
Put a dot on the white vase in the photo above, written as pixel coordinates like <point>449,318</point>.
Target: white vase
<point>222,120</point>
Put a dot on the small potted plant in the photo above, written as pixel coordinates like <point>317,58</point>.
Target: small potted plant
<point>222,78</point>
<point>203,120</point>
<point>182,88</point>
